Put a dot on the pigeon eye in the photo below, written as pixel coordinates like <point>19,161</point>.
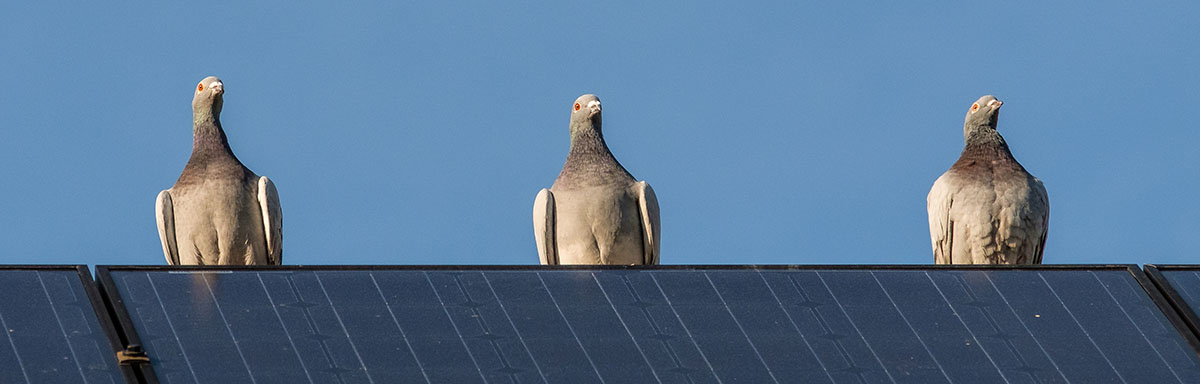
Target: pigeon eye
<point>200,87</point>
<point>576,106</point>
<point>974,107</point>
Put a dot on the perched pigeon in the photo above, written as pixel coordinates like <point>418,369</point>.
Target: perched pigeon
<point>596,212</point>
<point>987,209</point>
<point>218,212</point>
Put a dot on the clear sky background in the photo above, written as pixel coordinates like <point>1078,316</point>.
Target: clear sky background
<point>778,132</point>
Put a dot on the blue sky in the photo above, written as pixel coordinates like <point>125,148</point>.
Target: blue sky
<point>774,132</point>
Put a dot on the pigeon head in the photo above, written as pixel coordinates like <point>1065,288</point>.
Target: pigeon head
<point>585,113</point>
<point>982,115</point>
<point>206,104</point>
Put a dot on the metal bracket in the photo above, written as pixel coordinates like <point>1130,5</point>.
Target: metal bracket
<point>132,354</point>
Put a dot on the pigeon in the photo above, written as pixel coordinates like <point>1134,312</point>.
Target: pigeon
<point>595,212</point>
<point>987,209</point>
<point>218,212</point>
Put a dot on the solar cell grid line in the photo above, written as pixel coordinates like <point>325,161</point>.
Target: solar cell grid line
<point>740,328</point>
<point>499,353</point>
<point>1181,368</point>
<point>834,349</point>
<point>1180,286</point>
<point>626,328</point>
<point>1088,335</point>
<point>188,308</point>
<point>973,337</point>
<point>911,327</point>
<point>1024,356</point>
<point>792,321</point>
<point>1141,332</point>
<point>236,344</point>
<point>765,324</point>
<point>1123,340</point>
<point>486,330</point>
<point>668,324</point>
<point>1024,330</point>
<point>857,330</point>
<point>56,328</point>
<point>548,337</point>
<point>342,325</point>
<point>675,311</point>
<point>279,317</point>
<point>327,356</point>
<point>582,348</point>
<point>918,301</point>
<point>403,335</point>
<point>62,330</point>
<point>1101,319</point>
<point>16,355</point>
<point>654,327</point>
<point>171,327</point>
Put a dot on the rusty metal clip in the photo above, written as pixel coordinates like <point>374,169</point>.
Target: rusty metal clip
<point>132,354</point>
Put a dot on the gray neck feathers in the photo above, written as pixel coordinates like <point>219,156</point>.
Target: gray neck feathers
<point>983,142</point>
<point>590,162</point>
<point>210,148</point>
<point>207,135</point>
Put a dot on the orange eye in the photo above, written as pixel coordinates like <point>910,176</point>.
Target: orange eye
<point>576,106</point>
<point>200,87</point>
<point>974,107</point>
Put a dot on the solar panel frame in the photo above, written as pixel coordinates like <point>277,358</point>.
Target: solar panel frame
<point>1188,318</point>
<point>124,324</point>
<point>99,309</point>
<point>1162,302</point>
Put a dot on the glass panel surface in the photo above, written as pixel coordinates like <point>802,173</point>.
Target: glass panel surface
<point>50,332</point>
<point>733,325</point>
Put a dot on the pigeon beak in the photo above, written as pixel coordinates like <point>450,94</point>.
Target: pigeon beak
<point>218,87</point>
<point>995,104</point>
<point>594,106</point>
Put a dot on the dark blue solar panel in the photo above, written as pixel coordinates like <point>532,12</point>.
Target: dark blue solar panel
<point>1181,283</point>
<point>732,325</point>
<point>50,331</point>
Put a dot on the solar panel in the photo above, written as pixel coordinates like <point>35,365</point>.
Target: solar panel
<point>51,332</point>
<point>654,325</point>
<point>1181,285</point>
